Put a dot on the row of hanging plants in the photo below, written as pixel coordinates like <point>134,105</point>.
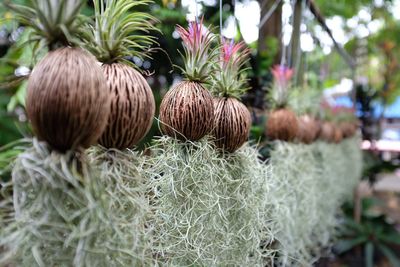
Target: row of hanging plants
<point>82,195</point>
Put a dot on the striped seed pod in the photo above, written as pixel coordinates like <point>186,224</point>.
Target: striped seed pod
<point>67,101</point>
<point>308,129</point>
<point>132,107</point>
<point>338,135</point>
<point>187,111</point>
<point>327,132</point>
<point>232,123</point>
<point>282,125</point>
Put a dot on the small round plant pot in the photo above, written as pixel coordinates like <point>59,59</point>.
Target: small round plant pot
<point>282,125</point>
<point>187,111</point>
<point>132,107</point>
<point>232,123</point>
<point>327,132</point>
<point>308,129</point>
<point>338,136</point>
<point>67,100</point>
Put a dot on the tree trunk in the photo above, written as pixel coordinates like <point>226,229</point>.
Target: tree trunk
<point>295,55</point>
<point>272,28</point>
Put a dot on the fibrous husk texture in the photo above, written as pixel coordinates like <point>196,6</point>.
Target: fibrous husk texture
<point>327,132</point>
<point>312,181</point>
<point>187,111</point>
<point>232,123</point>
<point>132,107</point>
<point>67,100</point>
<point>64,216</point>
<point>308,130</point>
<point>210,206</point>
<point>282,125</point>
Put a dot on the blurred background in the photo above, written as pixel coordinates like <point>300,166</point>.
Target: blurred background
<point>346,50</point>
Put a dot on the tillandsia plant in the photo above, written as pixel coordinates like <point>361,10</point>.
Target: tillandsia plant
<point>59,216</point>
<point>67,102</point>
<point>186,111</point>
<point>330,131</point>
<point>118,33</point>
<point>347,121</point>
<point>232,120</point>
<point>282,121</point>
<point>305,102</point>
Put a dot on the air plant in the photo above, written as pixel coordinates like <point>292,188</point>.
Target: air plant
<point>331,130</point>
<point>66,102</point>
<point>59,212</point>
<point>119,33</point>
<point>232,119</point>
<point>305,102</point>
<point>281,122</point>
<point>347,121</point>
<point>186,111</point>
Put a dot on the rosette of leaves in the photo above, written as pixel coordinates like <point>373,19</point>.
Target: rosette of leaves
<point>187,111</point>
<point>119,32</point>
<point>281,120</point>
<point>232,120</point>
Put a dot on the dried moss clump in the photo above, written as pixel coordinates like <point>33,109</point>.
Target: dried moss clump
<point>312,182</point>
<point>122,175</point>
<point>62,215</point>
<point>210,206</point>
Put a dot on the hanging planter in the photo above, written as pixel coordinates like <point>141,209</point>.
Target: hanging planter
<point>281,121</point>
<point>309,129</point>
<point>119,33</point>
<point>232,119</point>
<point>186,111</point>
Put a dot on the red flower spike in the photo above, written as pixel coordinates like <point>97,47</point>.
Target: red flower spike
<point>199,55</point>
<point>282,75</point>
<point>230,78</point>
<point>233,53</point>
<point>194,36</point>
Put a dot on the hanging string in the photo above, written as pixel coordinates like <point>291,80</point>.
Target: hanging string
<point>284,47</point>
<point>298,53</point>
<point>289,58</point>
<point>269,13</point>
<point>220,18</point>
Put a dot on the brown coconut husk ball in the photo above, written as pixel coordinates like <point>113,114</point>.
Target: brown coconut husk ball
<point>231,124</point>
<point>282,125</point>
<point>347,129</point>
<point>308,129</point>
<point>327,131</point>
<point>132,107</point>
<point>187,111</point>
<point>67,101</point>
<point>338,136</point>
